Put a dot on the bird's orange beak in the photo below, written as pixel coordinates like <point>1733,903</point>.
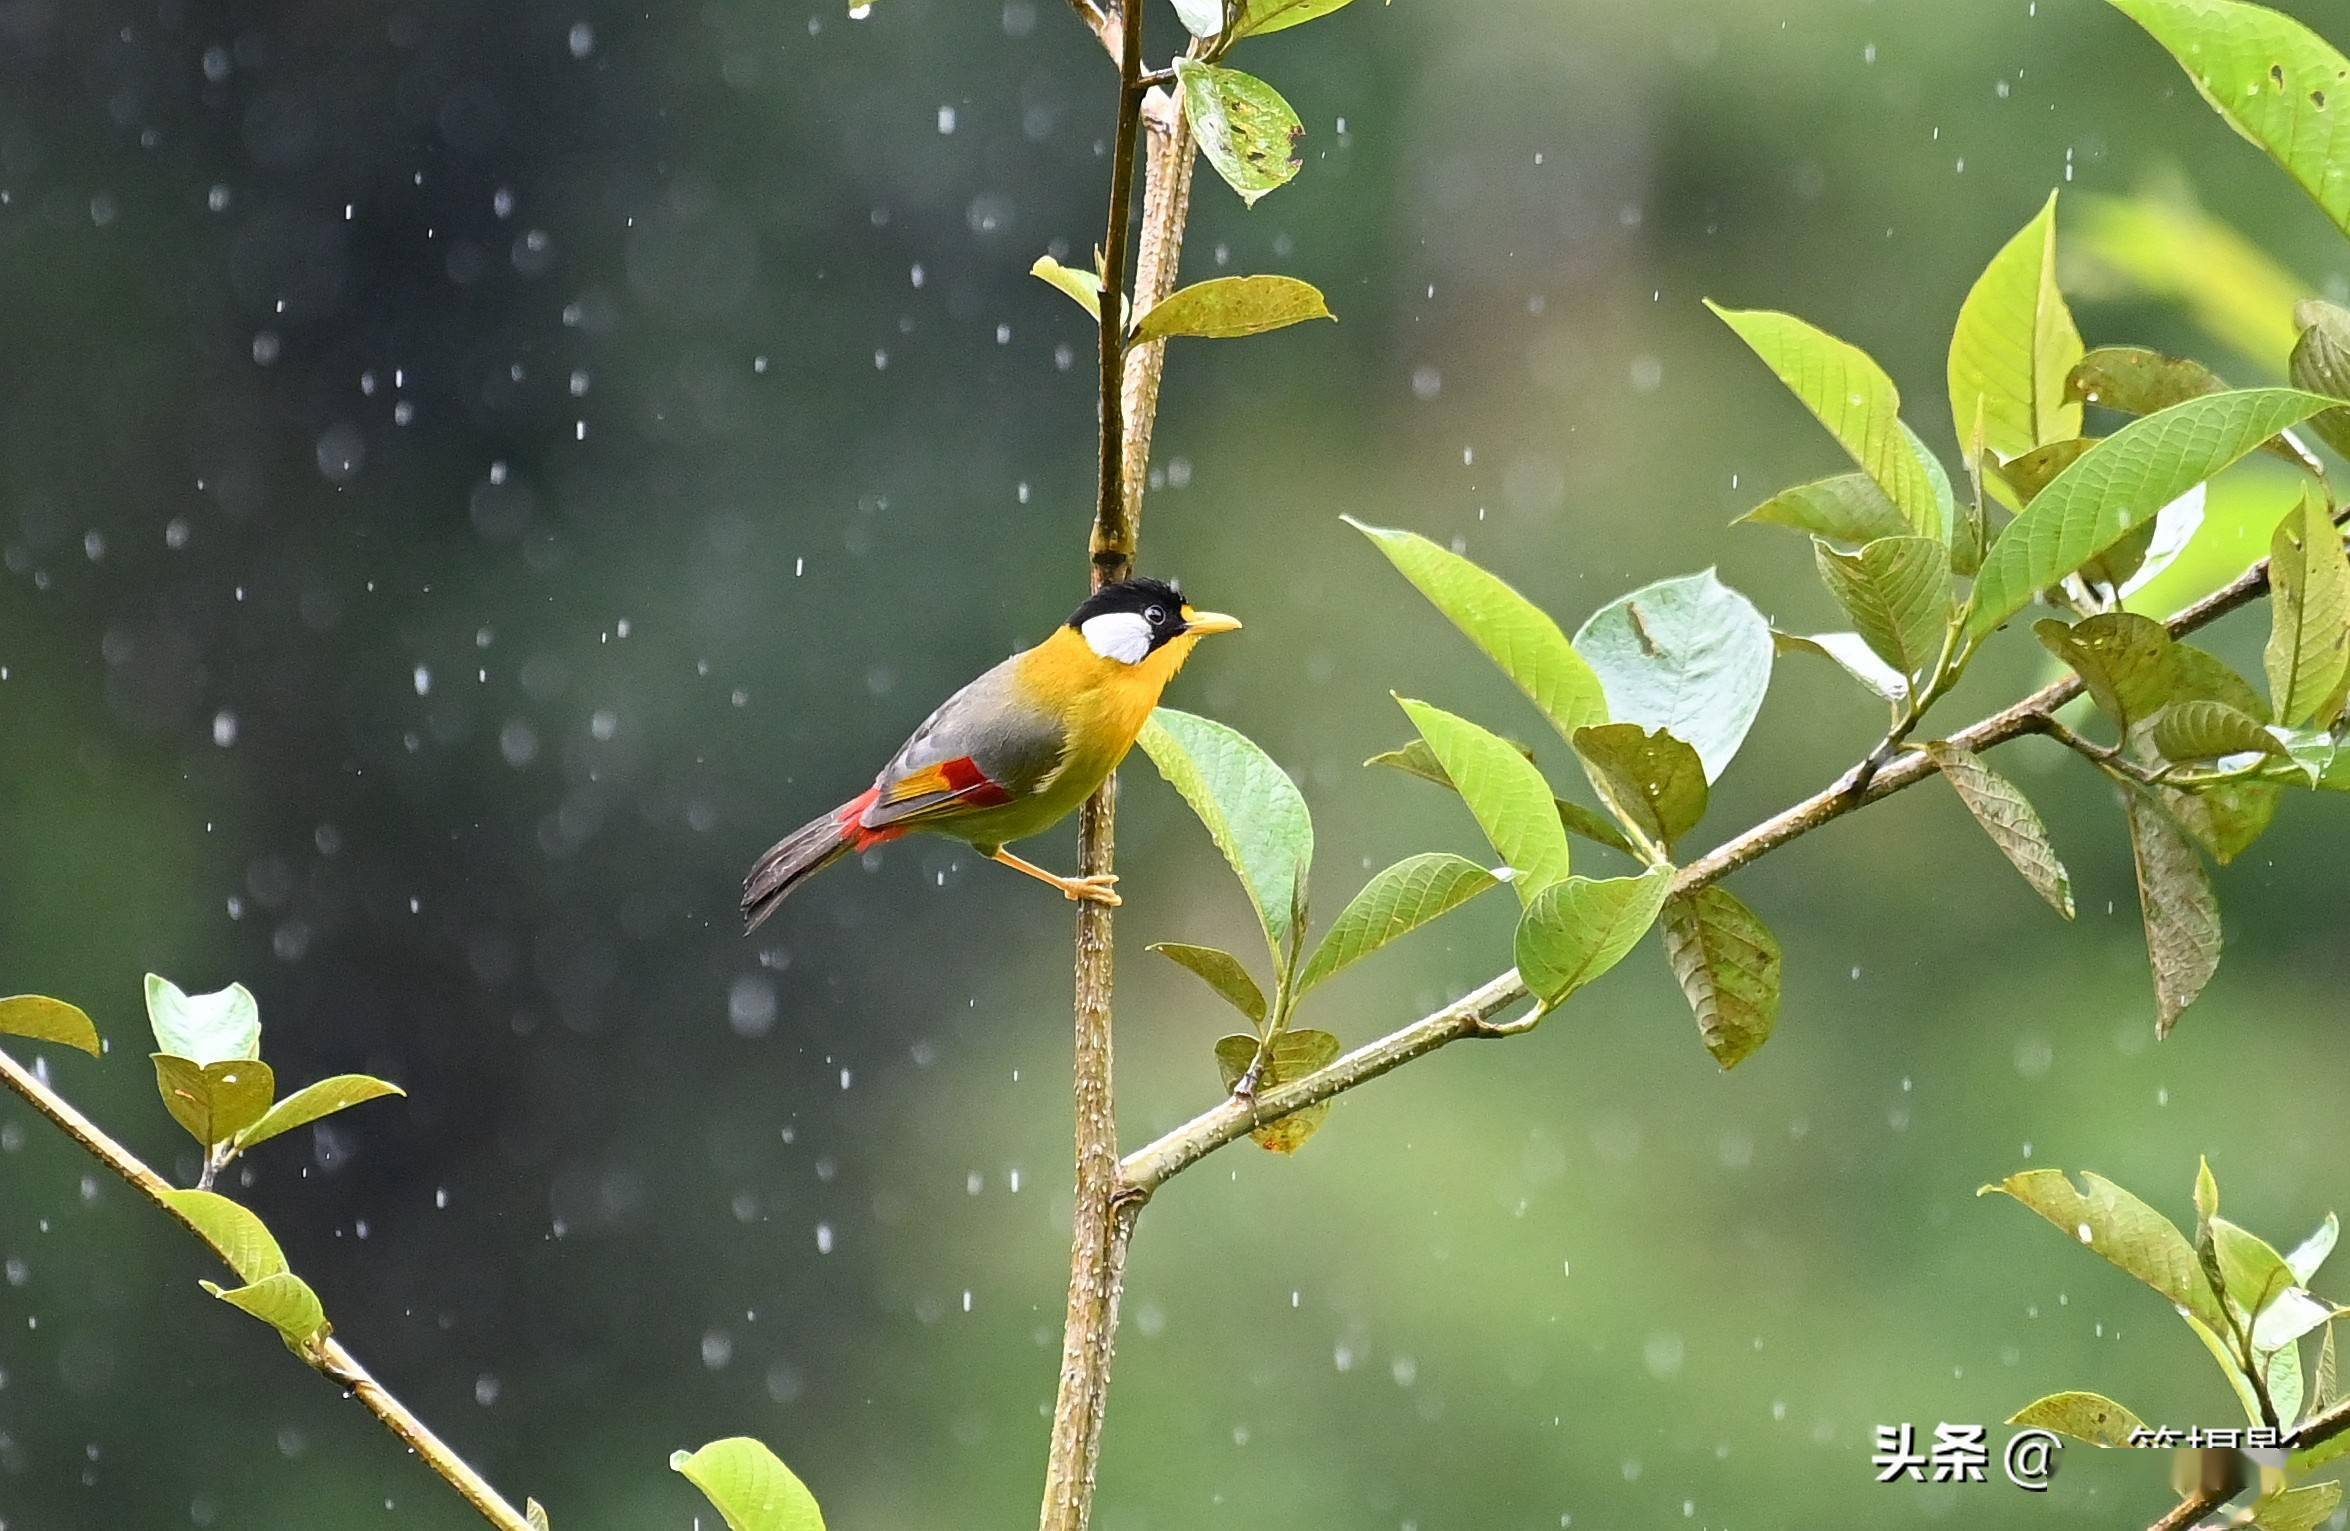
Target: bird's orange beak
<point>1209,622</point>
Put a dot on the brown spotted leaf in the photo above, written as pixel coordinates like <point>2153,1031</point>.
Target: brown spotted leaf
<point>1727,962</point>
<point>2008,817</point>
<point>2182,913</point>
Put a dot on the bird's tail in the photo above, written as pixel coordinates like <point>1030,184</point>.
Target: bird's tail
<point>803,853</point>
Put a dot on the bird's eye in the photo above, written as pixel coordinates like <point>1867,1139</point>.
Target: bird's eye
<point>1156,616</point>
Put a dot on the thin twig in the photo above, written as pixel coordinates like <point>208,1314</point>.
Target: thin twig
<point>2221,1479</point>
<point>1149,1167</point>
<point>328,1357</point>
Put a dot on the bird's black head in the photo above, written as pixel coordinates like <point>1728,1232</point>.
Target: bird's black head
<point>1129,619</point>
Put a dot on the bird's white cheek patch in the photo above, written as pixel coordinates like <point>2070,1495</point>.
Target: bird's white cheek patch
<point>1120,635</point>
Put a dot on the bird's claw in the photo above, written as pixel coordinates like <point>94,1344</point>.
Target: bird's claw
<point>1092,890</point>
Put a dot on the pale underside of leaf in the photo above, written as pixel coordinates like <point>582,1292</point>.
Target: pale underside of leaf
<point>1688,655</point>
<point>1249,806</point>
<point>1504,792</point>
<point>2008,817</point>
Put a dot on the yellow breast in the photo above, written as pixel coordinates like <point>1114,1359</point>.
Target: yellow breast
<point>1103,702</point>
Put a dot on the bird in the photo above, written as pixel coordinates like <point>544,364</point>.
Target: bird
<point>1011,754</point>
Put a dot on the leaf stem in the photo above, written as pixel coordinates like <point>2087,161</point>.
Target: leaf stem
<point>328,1357</point>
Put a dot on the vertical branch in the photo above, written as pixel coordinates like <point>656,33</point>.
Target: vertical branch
<point>1103,1222</point>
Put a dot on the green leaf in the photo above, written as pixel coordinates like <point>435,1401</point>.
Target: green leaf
<point>2181,912</point>
<point>1649,778</point>
<point>750,1487</point>
<point>536,1514</point>
<point>2121,482</point>
<point>2008,817</point>
<point>2089,1417</point>
<point>204,1028</point>
<point>2198,675</point>
<point>2308,654</point>
<point>2225,819</point>
<point>2311,1458</point>
<point>1727,963</point>
<point>2201,730</point>
<point>1850,653</point>
<point>235,1233</point>
<point>48,1020</point>
<point>214,1101</point>
<point>1222,972</point>
<point>1846,508</point>
<point>1898,592</point>
<point>2138,381</point>
<point>2014,346</point>
<point>2035,470</point>
<point>1578,929</point>
<point>2163,249</point>
<point>2254,1273</point>
<point>2206,1194</point>
<point>2296,1509</point>
<point>1512,631</point>
<point>2324,1393</point>
<point>2274,80</point>
<point>1251,808</point>
<point>313,1101</point>
<point>1244,127</point>
<point>1394,903</point>
<point>2321,364</point>
<point>1511,801</point>
<point>2223,1355</point>
<point>1292,1056</point>
<point>2120,1228</point>
<point>1416,759</point>
<point>1258,17</point>
<point>2125,661</point>
<point>1229,306</point>
<point>1688,655</point>
<point>284,1302</point>
<point>1083,287</point>
<point>2311,1252</point>
<point>1850,395</point>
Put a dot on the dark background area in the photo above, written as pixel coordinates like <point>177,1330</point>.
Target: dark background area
<point>472,475</point>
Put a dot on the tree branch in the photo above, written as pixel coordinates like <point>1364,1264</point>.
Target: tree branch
<point>2222,1479</point>
<point>329,1359</point>
<point>1148,1168</point>
<point>1103,1218</point>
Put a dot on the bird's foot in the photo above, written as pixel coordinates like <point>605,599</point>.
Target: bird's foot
<point>1092,890</point>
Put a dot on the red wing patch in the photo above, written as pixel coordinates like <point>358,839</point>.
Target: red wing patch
<point>950,785</point>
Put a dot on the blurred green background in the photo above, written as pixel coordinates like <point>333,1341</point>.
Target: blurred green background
<point>471,476</point>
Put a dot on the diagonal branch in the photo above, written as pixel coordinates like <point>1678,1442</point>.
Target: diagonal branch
<point>330,1360</point>
<point>1149,1167</point>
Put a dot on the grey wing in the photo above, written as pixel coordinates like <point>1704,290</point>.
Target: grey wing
<point>986,745</point>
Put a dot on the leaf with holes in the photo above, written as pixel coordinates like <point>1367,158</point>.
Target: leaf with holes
<point>1727,963</point>
<point>2014,345</point>
<point>2181,912</point>
<point>314,1101</point>
<point>2121,1229</point>
<point>1850,395</point>
<point>2125,661</point>
<point>1897,590</point>
<point>1243,126</point>
<point>1649,778</point>
<point>204,1028</point>
<point>1291,1056</point>
<point>2092,1418</point>
<point>750,1487</point>
<point>42,1019</point>
<point>235,1232</point>
<point>2120,483</point>
<point>2275,81</point>
<point>1512,631</point>
<point>1580,928</point>
<point>1220,971</point>
<point>1508,797</point>
<point>1251,808</point>
<point>2008,817</point>
<point>1227,307</point>
<point>1688,655</point>
<point>284,1301</point>
<point>2308,654</point>
<point>214,1101</point>
<point>1395,902</point>
<point>1846,508</point>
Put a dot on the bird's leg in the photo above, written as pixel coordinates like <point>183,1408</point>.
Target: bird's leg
<point>1091,889</point>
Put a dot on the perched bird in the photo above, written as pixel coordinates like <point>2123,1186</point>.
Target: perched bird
<point>1010,755</point>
